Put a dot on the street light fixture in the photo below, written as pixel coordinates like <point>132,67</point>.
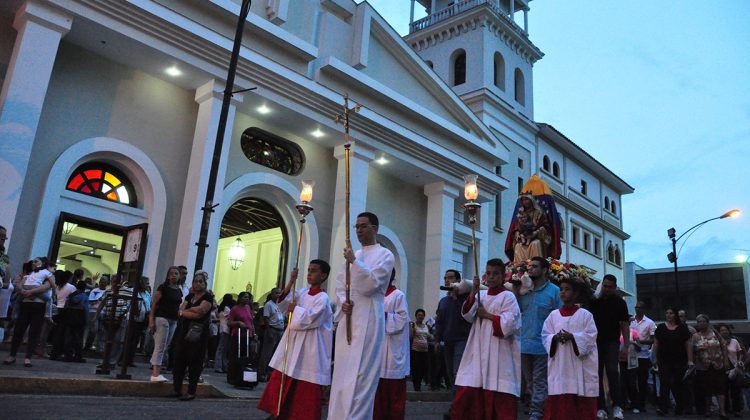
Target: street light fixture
<point>672,234</point>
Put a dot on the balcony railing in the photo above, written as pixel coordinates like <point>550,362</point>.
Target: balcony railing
<point>460,7</point>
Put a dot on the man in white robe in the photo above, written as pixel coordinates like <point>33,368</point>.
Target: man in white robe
<point>307,368</point>
<point>357,365</point>
<point>488,382</point>
<point>390,399</point>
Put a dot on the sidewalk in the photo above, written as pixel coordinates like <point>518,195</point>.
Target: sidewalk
<point>54,377</point>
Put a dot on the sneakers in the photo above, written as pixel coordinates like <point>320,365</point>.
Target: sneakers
<point>636,411</point>
<point>617,413</point>
<point>601,414</point>
<point>159,378</point>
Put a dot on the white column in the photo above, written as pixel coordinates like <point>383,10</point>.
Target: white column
<point>209,98</point>
<point>438,251</point>
<point>40,28</point>
<point>360,157</point>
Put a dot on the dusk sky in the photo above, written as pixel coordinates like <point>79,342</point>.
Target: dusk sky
<point>660,94</point>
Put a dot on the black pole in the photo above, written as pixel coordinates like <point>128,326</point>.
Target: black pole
<point>676,275</point>
<point>209,206</point>
<point>127,357</point>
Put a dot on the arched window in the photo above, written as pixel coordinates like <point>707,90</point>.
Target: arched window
<point>556,170</point>
<point>459,68</point>
<point>102,181</point>
<point>606,203</point>
<point>613,207</point>
<point>618,258</point>
<point>520,86</point>
<point>499,71</point>
<point>545,163</point>
<point>272,151</point>
<point>610,252</point>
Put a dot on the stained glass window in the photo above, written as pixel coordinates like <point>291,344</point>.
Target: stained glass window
<point>102,181</point>
<point>272,151</point>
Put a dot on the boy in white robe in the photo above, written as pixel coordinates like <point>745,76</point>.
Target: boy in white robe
<point>390,399</point>
<point>488,382</point>
<point>569,335</point>
<point>308,361</point>
<point>357,365</point>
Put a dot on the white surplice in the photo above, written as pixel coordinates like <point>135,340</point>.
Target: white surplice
<point>357,365</point>
<point>568,373</point>
<point>396,343</point>
<point>310,336</point>
<point>491,362</point>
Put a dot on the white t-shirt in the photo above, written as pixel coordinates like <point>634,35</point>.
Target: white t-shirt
<point>36,278</point>
<point>646,329</point>
<point>733,348</point>
<point>63,293</point>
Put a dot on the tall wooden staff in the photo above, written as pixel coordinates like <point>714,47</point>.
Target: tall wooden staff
<point>304,208</point>
<point>471,192</point>
<point>344,118</point>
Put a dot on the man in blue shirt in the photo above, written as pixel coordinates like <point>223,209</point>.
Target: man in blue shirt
<point>535,307</point>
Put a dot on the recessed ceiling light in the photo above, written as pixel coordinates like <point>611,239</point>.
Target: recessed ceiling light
<point>85,240</point>
<point>317,133</point>
<point>381,160</point>
<point>173,71</point>
<point>263,109</point>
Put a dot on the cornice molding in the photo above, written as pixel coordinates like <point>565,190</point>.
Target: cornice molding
<point>586,214</point>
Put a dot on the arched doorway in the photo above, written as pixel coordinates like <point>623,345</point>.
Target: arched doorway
<point>257,228</point>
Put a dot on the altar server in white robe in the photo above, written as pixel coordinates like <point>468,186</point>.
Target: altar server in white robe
<point>356,369</point>
<point>308,361</point>
<point>569,335</point>
<point>390,399</point>
<point>488,382</point>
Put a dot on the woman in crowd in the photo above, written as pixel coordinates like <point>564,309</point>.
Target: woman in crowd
<point>736,354</point>
<point>222,312</point>
<point>674,353</point>
<point>191,337</point>
<point>420,339</point>
<point>63,289</point>
<point>711,362</point>
<point>162,321</point>
<point>33,290</point>
<point>240,317</point>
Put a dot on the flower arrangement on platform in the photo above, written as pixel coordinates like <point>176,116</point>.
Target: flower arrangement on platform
<point>558,270</point>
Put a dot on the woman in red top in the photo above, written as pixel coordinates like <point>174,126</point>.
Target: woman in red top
<point>241,316</point>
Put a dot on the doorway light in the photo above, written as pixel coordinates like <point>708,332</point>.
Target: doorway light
<point>381,160</point>
<point>236,254</point>
<point>173,71</point>
<point>263,109</point>
<point>68,227</point>
<point>317,133</point>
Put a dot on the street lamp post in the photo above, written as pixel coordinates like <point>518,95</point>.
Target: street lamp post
<point>672,256</point>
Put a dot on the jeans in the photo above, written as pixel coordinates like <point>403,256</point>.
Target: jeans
<point>639,402</point>
<point>92,327</point>
<point>162,337</point>
<point>220,359</point>
<point>453,352</point>
<point>534,369</point>
<point>32,317</point>
<point>609,355</point>
<point>419,362</point>
<point>188,357</point>
<point>671,373</point>
<point>271,339</point>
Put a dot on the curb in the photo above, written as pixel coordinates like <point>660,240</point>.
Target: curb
<point>99,387</point>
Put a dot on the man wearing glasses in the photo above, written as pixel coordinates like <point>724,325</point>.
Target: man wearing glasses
<point>357,366</point>
<point>646,329</point>
<point>535,307</point>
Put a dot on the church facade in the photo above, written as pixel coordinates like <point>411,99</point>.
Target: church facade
<point>109,113</point>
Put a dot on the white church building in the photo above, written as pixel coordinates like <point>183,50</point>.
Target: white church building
<point>109,112</point>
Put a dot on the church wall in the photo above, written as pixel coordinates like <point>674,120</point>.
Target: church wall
<point>90,96</point>
<point>320,165</point>
<point>300,18</point>
<point>402,208</point>
<point>512,173</point>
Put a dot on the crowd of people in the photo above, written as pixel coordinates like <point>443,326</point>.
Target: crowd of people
<point>555,349</point>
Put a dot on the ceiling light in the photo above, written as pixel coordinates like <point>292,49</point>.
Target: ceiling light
<point>317,133</point>
<point>263,109</point>
<point>173,71</point>
<point>381,160</point>
<point>236,254</point>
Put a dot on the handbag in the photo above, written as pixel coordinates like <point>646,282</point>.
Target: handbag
<point>194,331</point>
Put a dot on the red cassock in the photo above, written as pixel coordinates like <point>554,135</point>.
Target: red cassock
<point>301,400</point>
<point>570,407</point>
<point>481,404</point>
<point>390,400</point>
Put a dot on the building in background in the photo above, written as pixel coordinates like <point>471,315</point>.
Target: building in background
<point>109,111</point>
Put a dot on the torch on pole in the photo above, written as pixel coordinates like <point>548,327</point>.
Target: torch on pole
<point>304,208</point>
<point>471,192</point>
